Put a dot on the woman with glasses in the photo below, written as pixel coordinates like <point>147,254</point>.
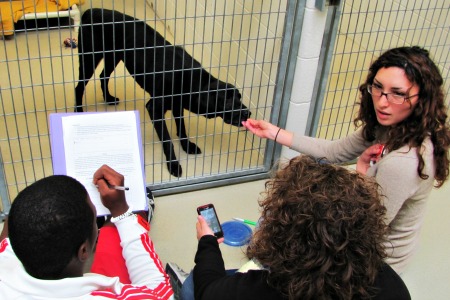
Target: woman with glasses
<point>402,140</point>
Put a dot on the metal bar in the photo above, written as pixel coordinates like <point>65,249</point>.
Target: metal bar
<point>199,183</point>
<point>288,56</point>
<point>6,202</point>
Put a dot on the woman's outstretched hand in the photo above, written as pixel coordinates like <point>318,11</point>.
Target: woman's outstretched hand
<point>264,129</point>
<point>261,128</point>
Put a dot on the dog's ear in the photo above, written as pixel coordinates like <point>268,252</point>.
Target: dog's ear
<point>233,93</point>
<point>237,93</point>
<point>212,85</point>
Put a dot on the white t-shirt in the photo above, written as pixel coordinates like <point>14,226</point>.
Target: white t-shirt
<point>149,281</point>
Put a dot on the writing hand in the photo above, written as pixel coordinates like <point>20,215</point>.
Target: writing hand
<point>112,199</point>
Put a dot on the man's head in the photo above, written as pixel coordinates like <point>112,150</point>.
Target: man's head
<point>52,227</point>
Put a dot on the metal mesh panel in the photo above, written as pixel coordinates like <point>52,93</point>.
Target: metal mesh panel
<point>239,42</point>
<point>366,29</point>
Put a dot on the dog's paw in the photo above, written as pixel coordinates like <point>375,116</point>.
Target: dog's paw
<point>174,168</point>
<point>78,109</point>
<point>110,100</point>
<point>189,147</point>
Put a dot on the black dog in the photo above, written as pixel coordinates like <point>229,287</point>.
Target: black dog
<point>174,79</point>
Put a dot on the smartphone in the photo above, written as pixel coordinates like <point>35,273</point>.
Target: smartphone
<point>209,213</point>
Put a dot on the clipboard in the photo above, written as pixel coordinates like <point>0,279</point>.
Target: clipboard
<point>82,142</point>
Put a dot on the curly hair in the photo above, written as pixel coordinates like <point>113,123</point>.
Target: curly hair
<point>429,117</point>
<point>48,222</point>
<point>321,232</point>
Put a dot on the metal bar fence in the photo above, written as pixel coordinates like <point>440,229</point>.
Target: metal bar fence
<point>241,42</point>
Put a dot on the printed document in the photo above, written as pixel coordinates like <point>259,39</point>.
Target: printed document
<point>113,138</point>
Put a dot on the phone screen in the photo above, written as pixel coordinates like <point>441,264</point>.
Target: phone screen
<point>209,213</point>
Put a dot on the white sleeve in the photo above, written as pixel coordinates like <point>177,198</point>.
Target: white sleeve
<point>143,264</point>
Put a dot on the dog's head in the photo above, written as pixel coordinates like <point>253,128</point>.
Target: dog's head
<point>220,99</point>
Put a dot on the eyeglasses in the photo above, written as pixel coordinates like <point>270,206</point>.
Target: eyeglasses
<point>394,98</point>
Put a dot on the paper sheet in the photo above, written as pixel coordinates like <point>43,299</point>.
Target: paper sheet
<point>91,140</point>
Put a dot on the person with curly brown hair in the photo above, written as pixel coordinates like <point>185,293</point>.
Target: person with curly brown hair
<point>403,141</point>
<point>320,236</point>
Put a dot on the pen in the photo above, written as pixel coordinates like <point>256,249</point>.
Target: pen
<point>245,221</point>
<point>117,187</point>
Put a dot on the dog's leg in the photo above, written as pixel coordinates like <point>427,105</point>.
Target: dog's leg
<point>87,64</point>
<point>110,63</point>
<point>156,110</point>
<point>186,144</point>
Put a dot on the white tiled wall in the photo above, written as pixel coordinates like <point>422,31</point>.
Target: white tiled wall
<point>305,71</point>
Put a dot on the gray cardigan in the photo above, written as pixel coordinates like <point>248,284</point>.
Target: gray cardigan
<point>405,193</point>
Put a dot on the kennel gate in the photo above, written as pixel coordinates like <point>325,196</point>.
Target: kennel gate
<point>360,32</point>
<point>246,43</point>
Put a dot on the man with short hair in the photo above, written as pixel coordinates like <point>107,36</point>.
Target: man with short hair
<point>52,234</point>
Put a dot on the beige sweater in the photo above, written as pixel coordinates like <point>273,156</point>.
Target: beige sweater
<point>405,193</point>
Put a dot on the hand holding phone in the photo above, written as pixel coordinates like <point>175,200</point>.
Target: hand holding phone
<point>208,212</point>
